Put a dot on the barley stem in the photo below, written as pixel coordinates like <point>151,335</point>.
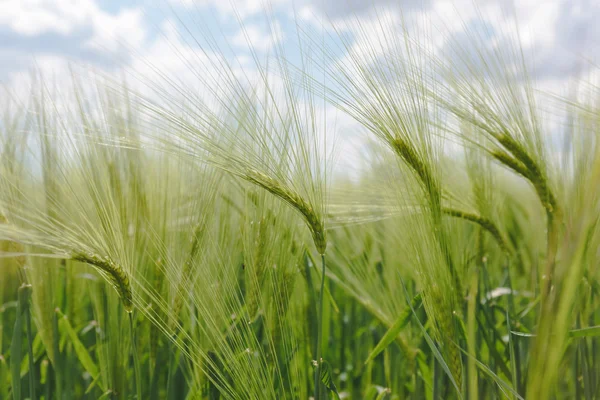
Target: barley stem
<point>319,332</point>
<point>136,359</point>
<point>58,362</point>
<point>24,295</point>
<point>32,395</point>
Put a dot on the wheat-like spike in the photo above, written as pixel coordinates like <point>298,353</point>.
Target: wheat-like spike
<point>285,284</point>
<point>485,223</point>
<point>315,223</point>
<point>448,331</point>
<point>257,270</point>
<point>510,162</point>
<point>408,154</point>
<point>410,157</point>
<point>445,332</point>
<point>523,164</point>
<point>518,152</point>
<point>535,174</point>
<point>178,301</point>
<point>455,361</point>
<point>117,276</point>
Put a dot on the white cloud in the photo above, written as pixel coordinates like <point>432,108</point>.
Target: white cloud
<point>55,72</point>
<point>259,38</point>
<point>228,8</point>
<point>111,32</point>
<point>171,69</point>
<point>538,23</point>
<point>34,17</point>
<point>66,17</point>
<point>541,27</point>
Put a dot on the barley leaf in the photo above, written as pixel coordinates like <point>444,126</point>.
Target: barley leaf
<point>327,379</point>
<point>395,329</point>
<point>80,350</point>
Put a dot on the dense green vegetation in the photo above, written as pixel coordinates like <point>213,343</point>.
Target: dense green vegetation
<point>158,243</point>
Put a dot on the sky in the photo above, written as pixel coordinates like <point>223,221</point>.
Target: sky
<point>560,34</point>
<point>561,38</point>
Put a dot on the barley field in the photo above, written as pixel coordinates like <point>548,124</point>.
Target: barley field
<point>220,234</point>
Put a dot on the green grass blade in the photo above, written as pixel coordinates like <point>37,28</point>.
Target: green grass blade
<point>491,344</point>
<point>436,353</point>
<point>57,367</point>
<point>591,331</point>
<point>106,395</point>
<point>471,335</point>
<point>16,346</point>
<point>523,334</point>
<point>395,329</point>
<point>505,387</point>
<point>81,352</point>
<point>513,361</point>
<point>4,384</point>
<point>425,375</point>
<point>327,379</point>
<point>136,358</point>
<point>29,330</point>
<point>384,394</point>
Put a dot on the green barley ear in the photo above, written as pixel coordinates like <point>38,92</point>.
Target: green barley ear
<point>511,163</point>
<point>521,163</point>
<point>256,265</point>
<point>410,157</point>
<point>116,275</point>
<point>491,92</point>
<point>483,222</point>
<point>444,328</point>
<point>313,220</point>
<point>525,165</point>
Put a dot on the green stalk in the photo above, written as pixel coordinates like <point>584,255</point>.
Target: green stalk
<point>58,366</point>
<point>170,369</point>
<point>136,359</point>
<point>30,351</point>
<point>3,365</point>
<point>3,378</point>
<point>472,328</point>
<point>320,331</point>
<point>16,354</point>
<point>24,294</point>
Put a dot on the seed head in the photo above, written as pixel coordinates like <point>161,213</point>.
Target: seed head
<point>314,221</point>
<point>117,276</point>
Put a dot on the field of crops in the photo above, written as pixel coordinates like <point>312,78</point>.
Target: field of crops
<point>167,237</point>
